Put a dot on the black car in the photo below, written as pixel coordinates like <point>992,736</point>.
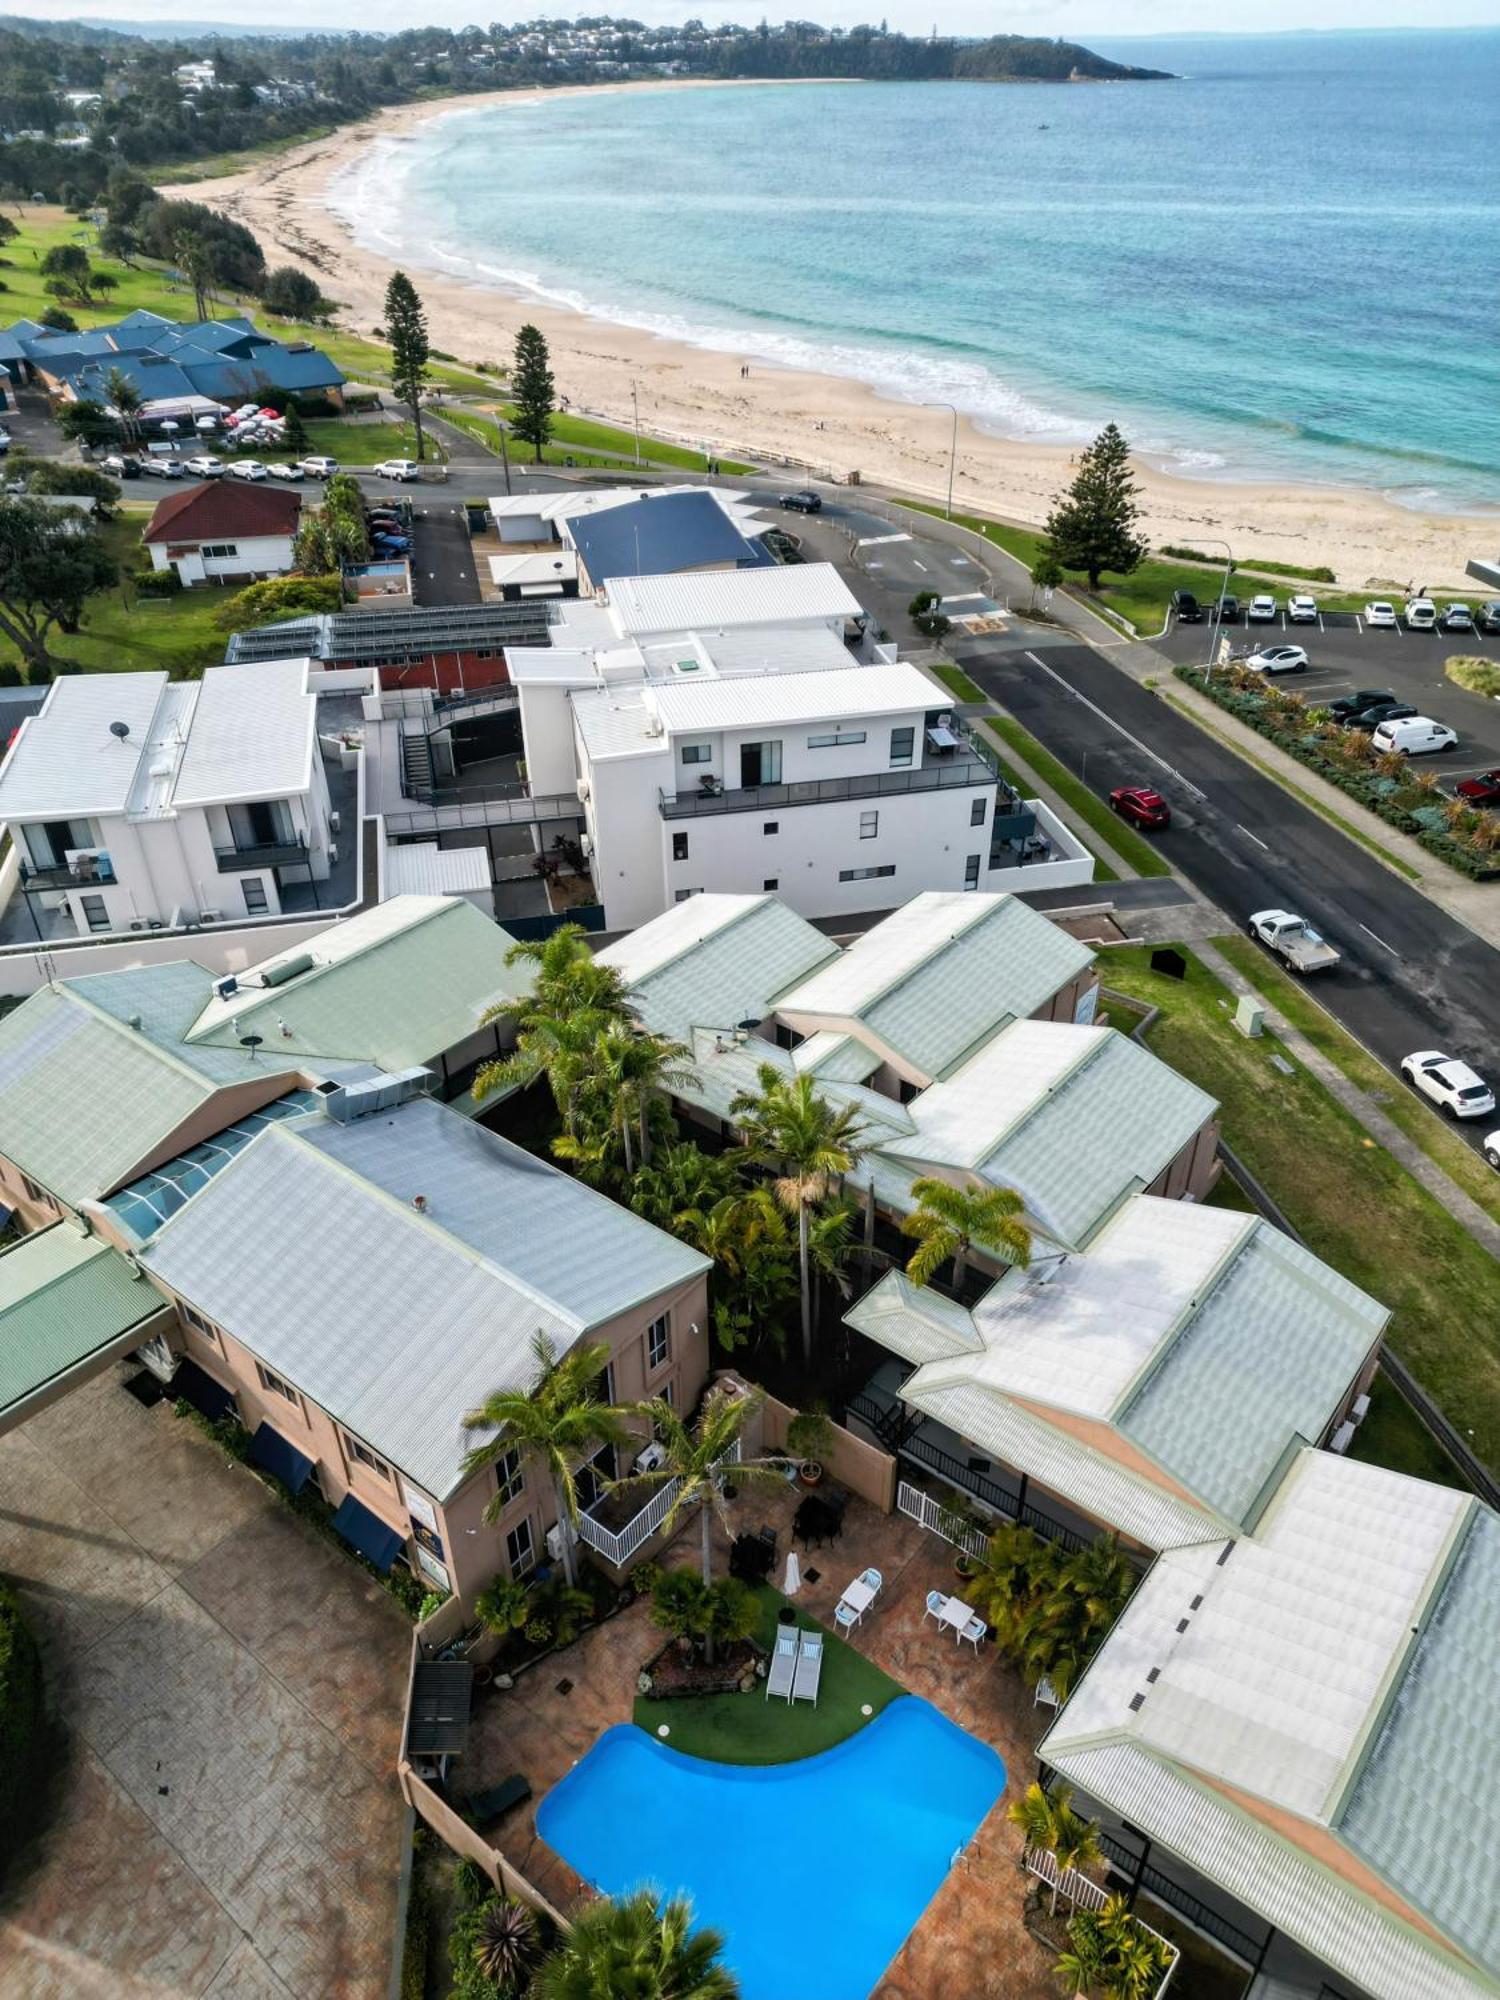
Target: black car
<point>1353,704</point>
<point>1487,617</point>
<point>1382,711</point>
<point>803,503</point>
<point>1186,609</point>
<point>1229,610</point>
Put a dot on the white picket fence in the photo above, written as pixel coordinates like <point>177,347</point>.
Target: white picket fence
<point>618,1546</point>
<point>1080,1892</point>
<point>925,1511</point>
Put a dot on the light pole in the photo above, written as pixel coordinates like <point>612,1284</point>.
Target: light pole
<point>635,412</point>
<point>504,451</point>
<point>952,456</point>
<point>1216,626</point>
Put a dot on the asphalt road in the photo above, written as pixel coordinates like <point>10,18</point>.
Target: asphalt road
<point>1412,977</point>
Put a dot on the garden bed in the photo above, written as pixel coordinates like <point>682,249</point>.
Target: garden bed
<point>673,1674</point>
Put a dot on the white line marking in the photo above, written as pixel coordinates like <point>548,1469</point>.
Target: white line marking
<point>1120,729</point>
<point>1252,836</point>
<point>921,566</point>
<point>878,541</point>
<point>1380,941</point>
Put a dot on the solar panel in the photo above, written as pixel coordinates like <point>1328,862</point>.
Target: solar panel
<point>379,634</point>
<point>146,1203</point>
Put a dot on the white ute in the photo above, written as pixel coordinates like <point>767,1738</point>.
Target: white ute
<point>1293,938</point>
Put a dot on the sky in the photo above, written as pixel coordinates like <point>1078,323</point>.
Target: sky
<point>1078,20</point>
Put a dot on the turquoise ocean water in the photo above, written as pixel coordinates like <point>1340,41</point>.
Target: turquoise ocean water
<point>1286,264</point>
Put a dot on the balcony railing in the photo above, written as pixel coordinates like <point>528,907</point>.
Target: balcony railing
<point>824,791</point>
<point>264,854</point>
<point>618,1546</point>
<point>87,872</point>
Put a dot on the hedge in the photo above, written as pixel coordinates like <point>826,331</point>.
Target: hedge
<point>1376,794</point>
<point>24,1735</point>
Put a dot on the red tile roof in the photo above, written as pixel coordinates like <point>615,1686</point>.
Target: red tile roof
<point>223,507</point>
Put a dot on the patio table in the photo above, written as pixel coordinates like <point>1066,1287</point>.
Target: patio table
<point>859,1596</point>
<point>957,1614</point>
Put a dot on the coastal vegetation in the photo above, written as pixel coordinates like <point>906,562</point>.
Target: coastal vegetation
<point>1094,524</point>
<point>406,330</point>
<point>533,391</point>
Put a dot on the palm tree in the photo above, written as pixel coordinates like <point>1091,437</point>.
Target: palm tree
<point>505,1942</point>
<point>637,1946</point>
<point>569,978</point>
<point>695,1459</point>
<point>636,1067</point>
<point>1047,1821</point>
<point>1075,1607</point>
<point>830,1245</point>
<point>682,1179</point>
<point>560,1047</point>
<point>125,399</point>
<point>953,1221</point>
<point>554,1424</point>
<point>808,1145</point>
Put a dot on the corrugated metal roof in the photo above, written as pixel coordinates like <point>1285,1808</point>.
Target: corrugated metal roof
<point>838,1057</point>
<point>422,868</point>
<point>746,701</point>
<point>615,722</point>
<point>655,534</point>
<point>640,606</point>
<point>254,735</point>
<point>146,1203</point>
<point>715,961</point>
<point>63,1296</point>
<point>913,1321</point>
<point>64,763</point>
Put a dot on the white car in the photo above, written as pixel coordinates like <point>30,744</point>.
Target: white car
<point>1261,610</point>
<point>248,468</point>
<point>1278,660</point>
<point>1492,1149</point>
<point>205,467</point>
<point>1302,609</point>
<point>1453,1087</point>
<point>397,468</point>
<point>319,468</point>
<point>280,470</point>
<point>1421,615</point>
<point>1381,615</point>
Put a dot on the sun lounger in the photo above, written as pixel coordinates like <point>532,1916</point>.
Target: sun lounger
<point>482,1807</point>
<point>809,1668</point>
<point>783,1668</point>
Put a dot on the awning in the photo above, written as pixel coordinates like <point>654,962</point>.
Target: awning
<point>196,1386</point>
<point>270,1450</point>
<point>438,1724</point>
<point>367,1533</point>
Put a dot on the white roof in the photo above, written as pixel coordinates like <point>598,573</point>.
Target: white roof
<point>881,957</point>
<point>422,868</point>
<point>64,762</point>
<point>615,722</point>
<point>719,599</point>
<point>961,1120</point>
<point>554,666</point>
<point>557,566</point>
<point>746,701</point>
<point>682,928</point>
<point>254,735</point>
<point>156,771</point>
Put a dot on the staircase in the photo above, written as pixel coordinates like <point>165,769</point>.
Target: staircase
<point>416,766</point>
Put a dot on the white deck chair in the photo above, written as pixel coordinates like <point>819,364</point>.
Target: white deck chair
<point>1046,1695</point>
<point>809,1668</point>
<point>783,1669</point>
<point>935,1603</point>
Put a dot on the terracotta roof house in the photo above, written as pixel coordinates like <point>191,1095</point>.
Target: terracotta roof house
<point>217,532</point>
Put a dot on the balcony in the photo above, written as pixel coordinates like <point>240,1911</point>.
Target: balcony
<point>954,775</point>
<point>266,854</point>
<point>617,1527</point>
<point>83,872</point>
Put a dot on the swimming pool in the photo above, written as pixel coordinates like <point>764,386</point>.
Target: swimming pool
<point>814,1871</point>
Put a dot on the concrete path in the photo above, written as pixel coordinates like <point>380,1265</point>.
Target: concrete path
<point>227,1825</point>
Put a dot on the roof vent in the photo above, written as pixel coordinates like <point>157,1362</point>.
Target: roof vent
<point>419,1203</point>
<point>135,1021</point>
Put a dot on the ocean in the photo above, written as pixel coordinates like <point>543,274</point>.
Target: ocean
<point>1280,266</point>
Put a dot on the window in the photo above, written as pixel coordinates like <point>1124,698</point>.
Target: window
<point>697,753</point>
<point>520,1550</point>
<point>95,912</point>
<point>668,1394</point>
<point>976,812</point>
<point>198,1322</point>
<point>760,764</point>
<point>365,1456</point>
<point>659,1341</point>
<point>836,739</point>
<point>509,1477</point>
<point>607,1383</point>
<point>219,549</point>
<point>771,882</point>
<point>771,826</point>
<point>906,1090</point>
<point>276,1386</point>
<point>683,894</point>
<point>679,847</point>
<point>866,874</point>
<point>254,891</point>
<point>903,742</point>
<point>869,825</point>
<point>971,872</point>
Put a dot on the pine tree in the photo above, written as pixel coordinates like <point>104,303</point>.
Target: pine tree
<point>532,390</point>
<point>406,330</point>
<point>1092,527</point>
<point>298,443</point>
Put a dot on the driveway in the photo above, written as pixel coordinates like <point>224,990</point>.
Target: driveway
<point>228,1822</point>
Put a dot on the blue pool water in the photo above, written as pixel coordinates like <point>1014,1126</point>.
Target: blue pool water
<point>814,1871</point>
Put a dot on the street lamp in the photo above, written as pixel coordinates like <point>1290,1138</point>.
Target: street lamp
<point>1216,627</point>
<point>635,411</point>
<point>952,455</point>
<point>501,427</point>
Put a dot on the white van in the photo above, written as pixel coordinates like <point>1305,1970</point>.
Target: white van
<point>1414,736</point>
<point>1421,614</point>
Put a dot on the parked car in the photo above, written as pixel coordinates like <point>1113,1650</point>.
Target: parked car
<point>248,468</point>
<point>1421,615</point>
<point>204,467</point>
<point>1457,618</point>
<point>319,468</point>
<point>121,466</point>
<point>1382,711</point>
<point>803,502</point>
<point>1487,617</point>
<point>1278,660</point>
<point>1141,806</point>
<point>1492,1149</point>
<point>1453,1087</point>
<point>162,468</point>
<point>1347,706</point>
<point>1381,615</point>
<point>1481,791</point>
<point>1228,609</point>
<point>1414,736</point>
<point>1294,940</point>
<point>279,469</point>
<point>1186,609</point>
<point>397,468</point>
<point>391,545</point>
<point>1302,609</point>
<point>1262,609</point>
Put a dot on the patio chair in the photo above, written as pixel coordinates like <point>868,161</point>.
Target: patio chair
<point>1046,1695</point>
<point>872,1577</point>
<point>809,1668</point>
<point>783,1669</point>
<point>935,1603</point>
<point>846,1615</point>
<point>974,1631</point>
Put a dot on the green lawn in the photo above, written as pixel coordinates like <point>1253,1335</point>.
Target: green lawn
<point>587,443</point>
<point>365,444</point>
<point>1352,1202</point>
<point>749,1729</point>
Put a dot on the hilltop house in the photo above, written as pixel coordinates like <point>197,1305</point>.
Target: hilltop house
<point>224,531</point>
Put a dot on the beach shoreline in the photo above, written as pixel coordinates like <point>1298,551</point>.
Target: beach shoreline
<point>819,424</point>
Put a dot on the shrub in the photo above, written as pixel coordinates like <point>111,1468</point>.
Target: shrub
<point>156,582</point>
<point>279,597</point>
<point>24,1744</point>
<point>1474,672</point>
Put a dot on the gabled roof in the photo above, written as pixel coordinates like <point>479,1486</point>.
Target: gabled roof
<point>654,535</point>
<point>715,961</point>
<point>64,1296</point>
<point>227,377</point>
<point>221,507</point>
<point>641,606</point>
<point>254,735</point>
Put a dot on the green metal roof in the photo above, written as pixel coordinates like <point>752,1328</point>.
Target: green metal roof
<point>63,1297</point>
<point>731,975</point>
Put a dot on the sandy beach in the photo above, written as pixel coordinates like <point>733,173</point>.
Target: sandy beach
<point>823,423</point>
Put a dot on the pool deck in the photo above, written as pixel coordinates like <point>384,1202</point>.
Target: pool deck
<point>970,1943</point>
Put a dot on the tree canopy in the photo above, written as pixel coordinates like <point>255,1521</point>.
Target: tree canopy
<point>50,565</point>
<point>406,330</point>
<point>533,391</point>
<point>1092,525</point>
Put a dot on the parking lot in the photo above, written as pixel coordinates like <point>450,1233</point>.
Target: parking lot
<point>1344,653</point>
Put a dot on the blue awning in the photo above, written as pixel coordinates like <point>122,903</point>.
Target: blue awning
<point>270,1450</point>
<point>366,1532</point>
<point>196,1386</point>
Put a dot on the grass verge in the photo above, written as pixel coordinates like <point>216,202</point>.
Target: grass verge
<point>582,441</point>
<point>749,1729</point>
<point>1125,841</point>
<point>1424,1128</point>
<point>1353,1203</point>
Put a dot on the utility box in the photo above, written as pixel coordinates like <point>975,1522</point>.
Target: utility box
<point>1250,1016</point>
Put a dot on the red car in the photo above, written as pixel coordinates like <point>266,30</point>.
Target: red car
<point>1141,806</point>
<point>1481,791</point>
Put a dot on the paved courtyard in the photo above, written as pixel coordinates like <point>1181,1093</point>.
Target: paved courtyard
<point>228,1823</point>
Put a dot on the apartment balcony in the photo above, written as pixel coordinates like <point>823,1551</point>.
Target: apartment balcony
<point>87,871</point>
<point>264,854</point>
<point>954,775</point>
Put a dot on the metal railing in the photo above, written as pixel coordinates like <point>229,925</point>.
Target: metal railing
<point>1080,1892</point>
<point>83,874</point>
<point>618,1546</point>
<point>925,1511</point>
<point>448,811</point>
<point>825,791</point>
<point>1006,1501</point>
<point>1201,1915</point>
<point>267,854</point>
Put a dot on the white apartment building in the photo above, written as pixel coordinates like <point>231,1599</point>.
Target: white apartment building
<point>138,802</point>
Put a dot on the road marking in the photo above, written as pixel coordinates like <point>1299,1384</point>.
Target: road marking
<point>1380,941</point>
<point>1251,836</point>
<point>921,566</point>
<point>1359,625</point>
<point>879,541</point>
<point>1135,742</point>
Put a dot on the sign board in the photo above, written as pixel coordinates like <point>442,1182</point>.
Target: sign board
<point>433,1570</point>
<point>1087,1007</point>
<point>419,1507</point>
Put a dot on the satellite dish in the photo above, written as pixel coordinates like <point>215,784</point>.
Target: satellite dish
<point>252,1043</point>
<point>120,729</point>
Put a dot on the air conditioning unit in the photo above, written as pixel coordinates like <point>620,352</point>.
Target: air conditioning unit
<point>651,1459</point>
<point>582,789</point>
<point>210,916</point>
<point>555,1543</point>
<point>335,824</point>
<point>333,854</point>
<point>223,988</point>
<point>586,845</point>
